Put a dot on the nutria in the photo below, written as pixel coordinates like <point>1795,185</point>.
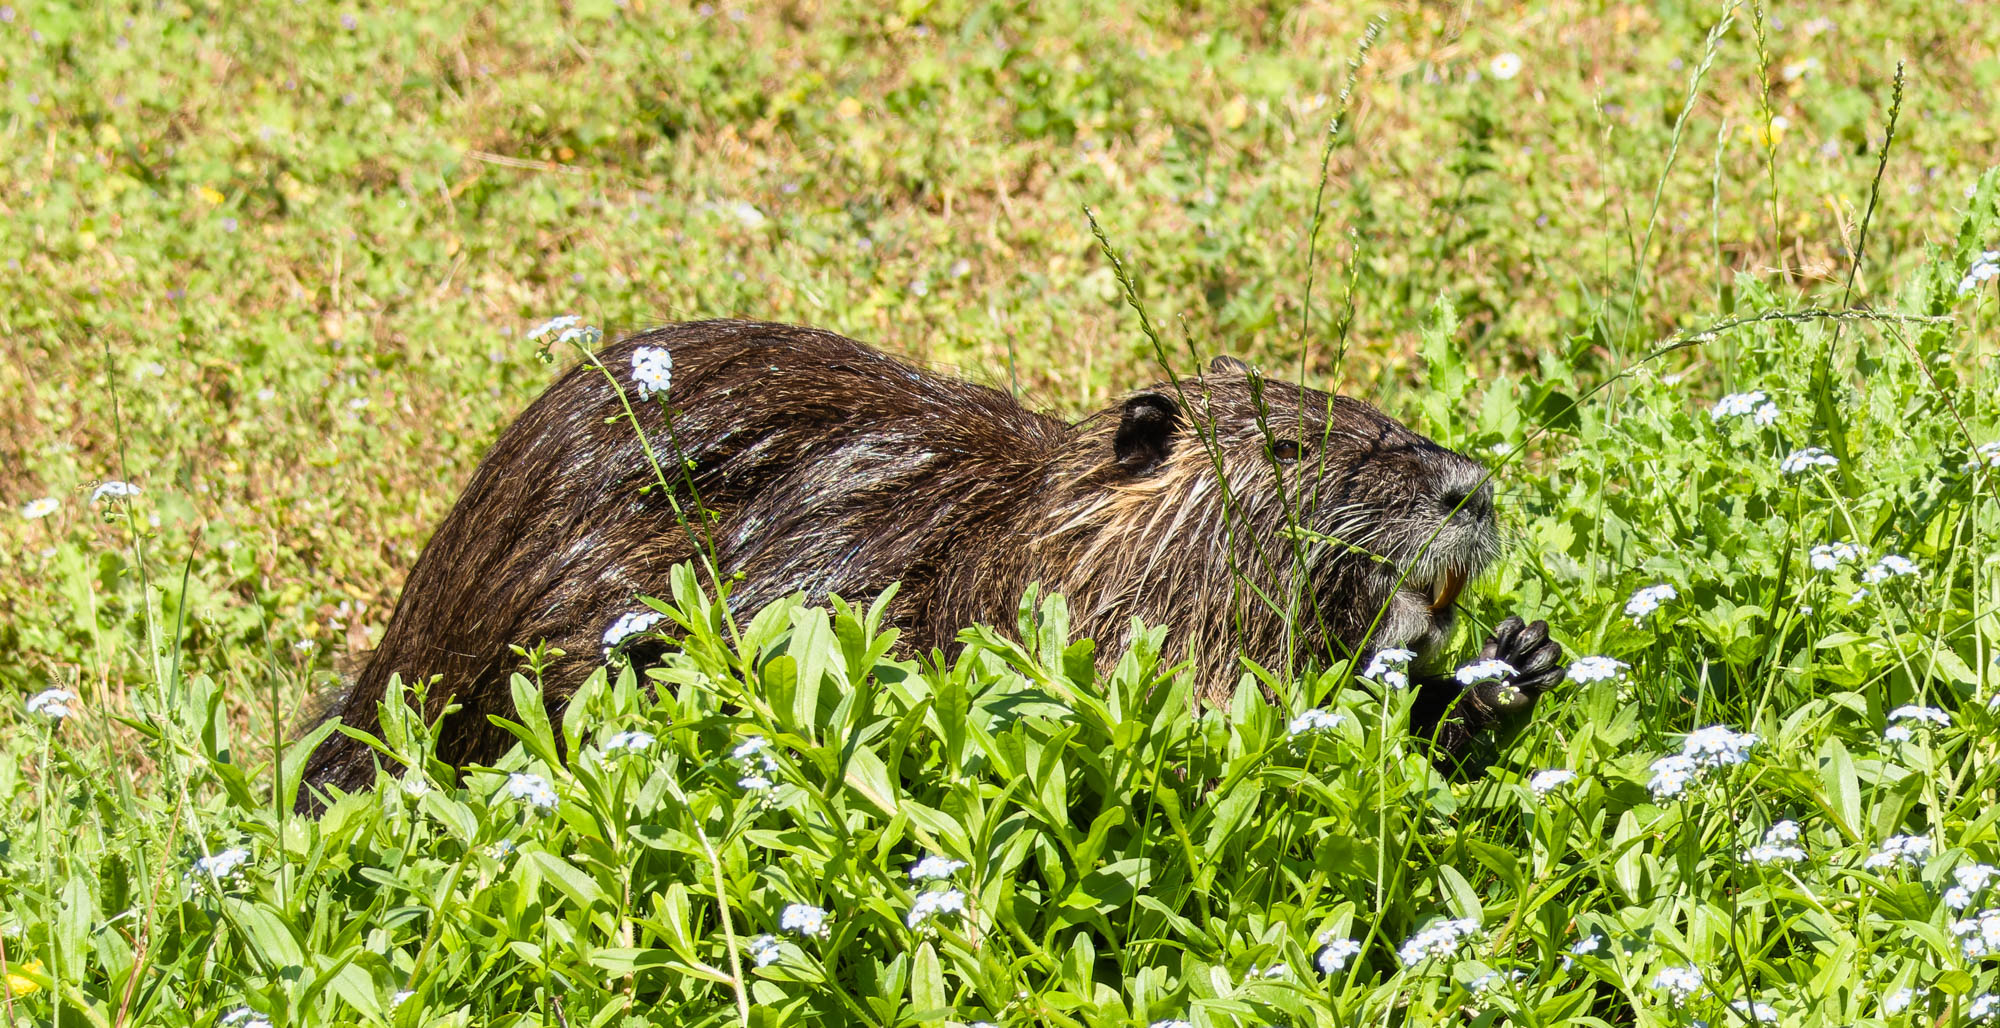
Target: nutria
<point>828,468</point>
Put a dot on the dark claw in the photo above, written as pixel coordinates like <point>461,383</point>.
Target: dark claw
<point>1536,658</point>
<point>1537,662</point>
<point>1482,716</point>
<point>1501,642</point>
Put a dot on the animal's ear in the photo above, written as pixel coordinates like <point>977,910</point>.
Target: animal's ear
<point>1146,432</point>
<point>1224,364</point>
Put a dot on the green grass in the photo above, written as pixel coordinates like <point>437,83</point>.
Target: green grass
<point>274,264</point>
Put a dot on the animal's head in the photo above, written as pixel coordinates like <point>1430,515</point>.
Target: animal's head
<point>1338,524</point>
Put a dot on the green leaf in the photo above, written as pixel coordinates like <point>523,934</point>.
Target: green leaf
<point>533,729</point>
<point>1842,788</point>
<point>868,777</point>
<point>927,994</point>
<point>268,932</point>
<point>1459,894</point>
<point>581,889</point>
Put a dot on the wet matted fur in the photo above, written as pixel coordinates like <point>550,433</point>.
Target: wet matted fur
<point>830,468</point>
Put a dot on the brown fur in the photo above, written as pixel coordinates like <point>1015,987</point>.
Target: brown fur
<point>832,469</point>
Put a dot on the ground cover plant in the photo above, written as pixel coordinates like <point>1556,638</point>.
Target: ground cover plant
<point>1711,286</point>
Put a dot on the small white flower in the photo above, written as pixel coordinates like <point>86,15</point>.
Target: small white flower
<point>934,868</point>
<point>1765,416</point>
<point>1972,880</point>
<point>1505,66</point>
<point>1314,720</point>
<point>54,704</point>
<point>1438,940</point>
<point>763,949</point>
<point>1983,269</point>
<point>533,790</point>
<point>553,325</point>
<point>1671,776</point>
<point>1987,454</point>
<point>1982,1007</point>
<point>1735,405</point>
<point>1827,556</point>
<point>1800,461</point>
<point>400,997</point>
<point>223,865</point>
<point>1779,846</point>
<point>114,490</point>
<point>632,740</point>
<point>1268,973</point>
<point>244,1017</point>
<point>1545,782</point>
<point>414,785</point>
<point>1796,70</point>
<point>754,753</point>
<point>1679,983</point>
<point>628,625</point>
<point>1896,733</point>
<point>1756,1011</point>
<point>1648,599</point>
<point>1912,712</point>
<point>1900,1000</point>
<point>1335,952</point>
<point>1899,849</point>
<point>1596,669</point>
<point>41,508</point>
<point>1171,1024</point>
<point>652,370</point>
<point>1391,667</point>
<point>586,335</point>
<point>1485,671</point>
<point>932,905</point>
<point>746,214</point>
<point>1582,948</point>
<point>1890,566</point>
<point>1979,935</point>
<point>805,920</point>
<point>1718,745</point>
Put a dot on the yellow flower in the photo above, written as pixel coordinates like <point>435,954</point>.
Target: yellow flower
<point>21,984</point>
<point>1770,136</point>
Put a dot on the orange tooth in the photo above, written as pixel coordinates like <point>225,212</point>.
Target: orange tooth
<point>1449,585</point>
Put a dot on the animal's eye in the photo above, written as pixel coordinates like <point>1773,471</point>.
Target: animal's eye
<point>1286,451</point>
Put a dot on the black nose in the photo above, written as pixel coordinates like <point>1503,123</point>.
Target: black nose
<point>1474,502</point>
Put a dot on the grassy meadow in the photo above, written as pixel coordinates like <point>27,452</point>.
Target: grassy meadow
<point>1710,285</point>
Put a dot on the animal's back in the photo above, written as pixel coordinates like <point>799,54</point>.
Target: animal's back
<point>824,466</point>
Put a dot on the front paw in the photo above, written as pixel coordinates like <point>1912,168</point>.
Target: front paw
<point>1518,663</point>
